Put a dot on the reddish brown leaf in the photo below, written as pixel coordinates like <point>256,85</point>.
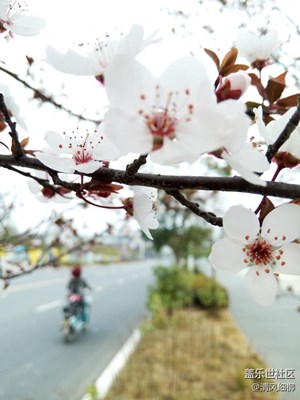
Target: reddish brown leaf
<point>275,87</point>
<point>229,59</point>
<point>2,125</point>
<point>290,101</point>
<point>24,142</point>
<point>234,68</point>
<point>266,208</point>
<point>13,147</point>
<point>255,81</point>
<point>296,201</point>
<point>214,57</point>
<point>280,78</point>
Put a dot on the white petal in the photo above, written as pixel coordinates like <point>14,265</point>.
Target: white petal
<point>126,80</point>
<point>142,204</point>
<point>193,77</point>
<point>200,134</point>
<point>4,4</point>
<point>247,45</point>
<point>173,152</point>
<point>72,62</point>
<point>88,167</point>
<point>258,112</point>
<point>127,131</point>
<point>149,191</point>
<point>268,43</point>
<point>251,158</point>
<point>227,255</point>
<point>143,212</point>
<point>262,287</point>
<point>27,25</point>
<point>291,258</point>
<point>149,222</point>
<point>61,164</point>
<point>238,165</point>
<point>106,150</point>
<point>241,224</point>
<point>282,225</point>
<point>225,123</point>
<point>132,44</point>
<point>57,143</point>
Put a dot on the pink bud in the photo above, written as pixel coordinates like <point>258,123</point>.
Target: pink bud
<point>239,81</point>
<point>233,86</point>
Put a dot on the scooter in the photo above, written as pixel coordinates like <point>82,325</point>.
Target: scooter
<point>75,316</point>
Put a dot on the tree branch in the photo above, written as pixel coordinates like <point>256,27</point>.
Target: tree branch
<point>164,182</point>
<point>133,168</point>
<point>13,133</point>
<point>194,207</point>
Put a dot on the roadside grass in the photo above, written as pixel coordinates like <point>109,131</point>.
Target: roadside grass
<point>193,355</point>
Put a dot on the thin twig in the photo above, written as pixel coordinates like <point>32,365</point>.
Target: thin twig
<point>19,152</point>
<point>47,99</point>
<point>285,134</point>
<point>134,167</point>
<point>194,207</point>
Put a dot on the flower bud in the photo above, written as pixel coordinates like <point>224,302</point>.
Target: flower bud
<point>239,81</point>
<point>233,86</point>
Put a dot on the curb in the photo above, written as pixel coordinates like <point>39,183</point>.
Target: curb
<point>107,377</point>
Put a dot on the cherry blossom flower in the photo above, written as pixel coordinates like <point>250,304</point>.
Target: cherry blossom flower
<point>264,251</point>
<point>14,18</point>
<point>93,59</point>
<point>175,118</point>
<point>273,129</point>
<point>233,86</point>
<point>257,48</point>
<point>76,152</point>
<point>142,207</point>
<point>44,194</point>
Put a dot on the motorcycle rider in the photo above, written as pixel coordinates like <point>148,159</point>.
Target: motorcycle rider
<point>77,285</point>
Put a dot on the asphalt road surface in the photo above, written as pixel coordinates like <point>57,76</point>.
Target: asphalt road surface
<point>35,363</point>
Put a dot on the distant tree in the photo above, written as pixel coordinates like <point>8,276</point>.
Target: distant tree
<point>180,230</point>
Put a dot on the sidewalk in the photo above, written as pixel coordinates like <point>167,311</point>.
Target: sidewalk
<point>273,332</point>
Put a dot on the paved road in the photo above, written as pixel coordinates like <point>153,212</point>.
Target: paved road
<point>35,363</point>
<point>274,332</point>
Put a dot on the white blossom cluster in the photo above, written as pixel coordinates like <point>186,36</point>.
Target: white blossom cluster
<point>176,117</point>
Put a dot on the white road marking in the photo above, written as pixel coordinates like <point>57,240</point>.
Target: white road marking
<point>105,380</point>
<point>49,306</point>
<point>34,285</point>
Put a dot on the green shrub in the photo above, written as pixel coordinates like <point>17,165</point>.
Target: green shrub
<point>177,288</point>
<point>212,296</point>
<point>196,281</point>
<point>172,288</point>
<point>157,309</point>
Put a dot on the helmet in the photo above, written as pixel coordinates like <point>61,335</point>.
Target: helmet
<point>76,271</point>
